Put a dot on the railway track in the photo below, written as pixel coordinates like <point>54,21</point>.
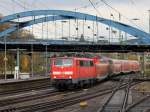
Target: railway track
<point>20,91</point>
<point>134,105</point>
<point>123,107</point>
<point>25,98</point>
<point>66,101</point>
<point>102,108</point>
<point>21,87</point>
<point>4,101</point>
<point>116,108</point>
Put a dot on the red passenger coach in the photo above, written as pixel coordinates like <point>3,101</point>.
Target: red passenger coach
<point>72,70</point>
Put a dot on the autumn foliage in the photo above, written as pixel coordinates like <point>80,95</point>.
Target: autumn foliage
<point>24,59</point>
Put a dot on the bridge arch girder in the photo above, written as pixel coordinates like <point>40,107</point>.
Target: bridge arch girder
<point>145,37</point>
<point>29,23</point>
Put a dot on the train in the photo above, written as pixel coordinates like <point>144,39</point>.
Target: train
<point>78,71</point>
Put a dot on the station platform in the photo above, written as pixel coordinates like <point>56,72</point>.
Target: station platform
<point>3,81</point>
<point>11,85</point>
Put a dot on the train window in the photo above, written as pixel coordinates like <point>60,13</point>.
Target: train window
<point>86,63</point>
<point>58,62</point>
<point>63,62</point>
<point>91,63</point>
<point>110,62</point>
<point>67,62</point>
<point>81,63</point>
<point>103,61</point>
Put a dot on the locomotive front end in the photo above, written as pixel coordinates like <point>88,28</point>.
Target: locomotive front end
<point>62,71</point>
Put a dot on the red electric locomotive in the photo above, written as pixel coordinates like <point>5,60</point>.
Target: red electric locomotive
<point>72,71</point>
<point>67,71</point>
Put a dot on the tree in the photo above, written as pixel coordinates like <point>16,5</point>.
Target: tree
<point>22,34</point>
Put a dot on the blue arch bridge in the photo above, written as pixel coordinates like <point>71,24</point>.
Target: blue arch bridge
<point>140,44</point>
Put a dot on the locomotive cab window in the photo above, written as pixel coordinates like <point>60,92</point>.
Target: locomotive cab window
<point>63,62</point>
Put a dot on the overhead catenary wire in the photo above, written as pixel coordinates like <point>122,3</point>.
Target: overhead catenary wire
<point>93,5</point>
<point>139,12</point>
<point>19,4</point>
<point>99,13</point>
<point>22,5</point>
<point>5,8</point>
<point>89,5</point>
<point>95,8</point>
<point>107,4</point>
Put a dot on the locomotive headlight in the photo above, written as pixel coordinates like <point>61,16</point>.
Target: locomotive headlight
<point>68,72</point>
<point>54,77</point>
<point>70,77</point>
<point>56,72</point>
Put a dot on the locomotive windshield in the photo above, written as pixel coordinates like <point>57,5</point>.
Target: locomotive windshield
<point>63,62</point>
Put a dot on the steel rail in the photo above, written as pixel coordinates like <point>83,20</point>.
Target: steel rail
<point>54,105</point>
<point>137,102</point>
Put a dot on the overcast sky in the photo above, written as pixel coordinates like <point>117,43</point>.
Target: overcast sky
<point>129,9</point>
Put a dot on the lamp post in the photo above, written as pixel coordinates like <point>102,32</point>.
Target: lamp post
<point>135,19</point>
<point>108,28</point>
<point>111,29</point>
<point>120,37</point>
<point>142,55</point>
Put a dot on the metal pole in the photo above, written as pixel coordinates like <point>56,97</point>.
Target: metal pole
<point>46,61</point>
<point>17,68</point>
<point>125,37</point>
<point>18,58</point>
<point>62,29</point>
<point>93,32</point>
<point>77,29</point>
<point>32,48</point>
<point>149,20</point>
<point>46,53</point>
<point>76,21</point>
<point>110,30</point>
<point>55,30</point>
<point>83,28</point>
<point>142,63</point>
<point>32,60</point>
<point>120,30</point>
<point>47,27</point>
<point>69,27</point>
<point>109,33</point>
<point>97,29</point>
<point>5,58</point>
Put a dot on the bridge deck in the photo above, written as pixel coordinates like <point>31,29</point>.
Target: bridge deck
<point>78,48</point>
